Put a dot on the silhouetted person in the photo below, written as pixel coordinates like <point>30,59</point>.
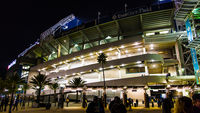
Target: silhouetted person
<point>136,102</point>
<point>196,102</point>
<point>2,104</point>
<point>116,106</point>
<point>166,106</point>
<point>67,101</point>
<point>6,102</point>
<point>16,104</point>
<point>96,106</point>
<point>184,105</point>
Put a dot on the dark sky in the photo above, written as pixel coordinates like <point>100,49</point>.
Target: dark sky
<point>22,21</point>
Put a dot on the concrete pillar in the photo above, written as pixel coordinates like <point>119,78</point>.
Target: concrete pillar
<point>99,76</point>
<point>146,68</point>
<point>144,50</point>
<point>120,73</point>
<point>59,50</point>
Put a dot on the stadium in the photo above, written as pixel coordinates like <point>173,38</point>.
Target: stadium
<point>144,46</point>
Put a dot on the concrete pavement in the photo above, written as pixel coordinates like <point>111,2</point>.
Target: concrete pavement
<point>76,108</point>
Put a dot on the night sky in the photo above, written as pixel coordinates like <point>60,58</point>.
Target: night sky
<point>22,21</point>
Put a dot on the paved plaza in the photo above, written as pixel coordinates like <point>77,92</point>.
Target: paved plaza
<point>75,108</point>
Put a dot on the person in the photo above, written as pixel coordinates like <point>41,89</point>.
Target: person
<point>67,101</point>
<point>166,106</point>
<point>136,101</point>
<point>96,106</point>
<point>2,103</point>
<point>116,106</point>
<point>16,103</point>
<point>196,103</point>
<point>184,105</point>
<point>6,102</point>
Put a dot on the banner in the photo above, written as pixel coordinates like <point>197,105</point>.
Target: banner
<point>193,51</point>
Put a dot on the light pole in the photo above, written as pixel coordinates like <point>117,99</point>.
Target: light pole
<point>84,103</point>
<point>61,100</point>
<point>146,97</point>
<point>125,95</point>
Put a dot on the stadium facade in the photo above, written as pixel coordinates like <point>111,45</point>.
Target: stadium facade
<point>143,46</point>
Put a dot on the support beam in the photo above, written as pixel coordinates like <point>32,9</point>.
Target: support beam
<point>118,27</point>
<point>101,33</point>
<point>86,38</point>
<point>58,42</point>
<point>70,39</point>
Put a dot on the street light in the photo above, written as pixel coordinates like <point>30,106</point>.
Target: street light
<point>125,95</point>
<point>84,103</point>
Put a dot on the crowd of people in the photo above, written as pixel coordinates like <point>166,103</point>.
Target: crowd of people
<point>96,106</point>
<point>188,105</point>
<point>5,101</point>
<point>181,105</point>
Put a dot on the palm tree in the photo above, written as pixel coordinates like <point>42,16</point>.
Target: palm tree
<point>38,82</point>
<point>13,81</point>
<point>77,82</point>
<point>54,87</point>
<point>102,60</point>
<point>25,88</point>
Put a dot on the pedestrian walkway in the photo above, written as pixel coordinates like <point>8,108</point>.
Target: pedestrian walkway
<point>76,108</point>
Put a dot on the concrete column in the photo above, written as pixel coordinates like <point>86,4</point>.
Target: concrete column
<point>144,50</point>
<point>99,76</point>
<point>146,68</point>
<point>59,50</point>
<point>120,73</point>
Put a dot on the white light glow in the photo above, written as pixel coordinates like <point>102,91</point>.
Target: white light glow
<point>151,45</point>
<point>152,60</point>
<point>108,37</point>
<point>149,34</point>
<point>122,46</point>
<point>136,43</point>
<point>100,69</point>
<point>138,62</point>
<point>126,51</point>
<point>111,66</point>
<point>110,49</point>
<point>151,48</point>
<point>116,53</point>
<point>123,65</point>
<point>164,32</point>
<point>91,54</point>
<point>139,49</point>
<point>82,56</point>
<point>74,74</point>
<point>74,58</point>
<point>140,65</point>
<point>100,51</point>
<point>154,66</point>
<point>76,45</point>
<point>107,54</point>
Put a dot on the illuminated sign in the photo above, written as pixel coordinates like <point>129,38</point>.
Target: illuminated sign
<point>11,64</point>
<point>66,23</point>
<point>26,50</point>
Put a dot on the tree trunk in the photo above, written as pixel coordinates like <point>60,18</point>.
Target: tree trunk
<point>38,99</point>
<point>76,96</point>
<point>55,97</point>
<point>11,101</point>
<point>104,86</point>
